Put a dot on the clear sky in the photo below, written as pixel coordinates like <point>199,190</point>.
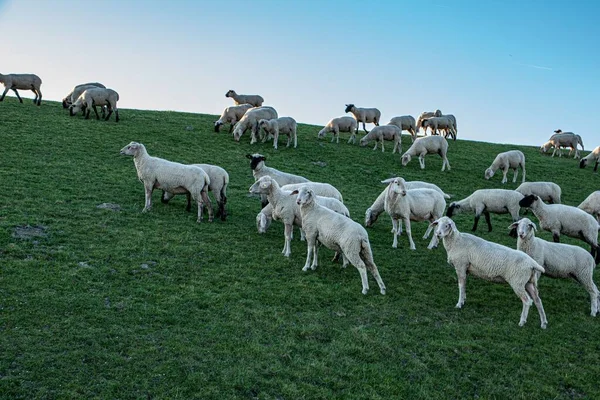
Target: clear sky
<point>510,71</point>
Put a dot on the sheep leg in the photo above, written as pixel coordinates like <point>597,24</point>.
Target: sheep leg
<point>375,148</point>
<point>382,149</point>
<point>486,214</point>
<point>315,262</point>
<point>288,240</point>
<point>516,173</point>
<point>87,113</point>
<point>409,233</point>
<point>310,241</point>
<point>96,111</point>
<point>476,221</point>
<point>395,232</point>
<point>447,162</point>
<point>429,229</point>
<point>275,139</point>
<point>17,93</point>
<point>461,274</point>
<point>422,161</point>
<point>596,166</point>
<point>148,192</point>
<point>362,269</point>
<point>533,292</point>
<point>4,94</point>
<point>116,115</point>
<point>590,287</point>
<point>39,99</point>
<point>35,93</point>
<point>504,173</point>
<point>364,127</point>
<point>188,207</point>
<point>207,203</point>
<point>375,272</point>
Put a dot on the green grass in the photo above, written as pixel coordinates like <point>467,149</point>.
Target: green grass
<point>128,305</point>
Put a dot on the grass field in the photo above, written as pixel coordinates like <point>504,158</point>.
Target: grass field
<point>102,304</point>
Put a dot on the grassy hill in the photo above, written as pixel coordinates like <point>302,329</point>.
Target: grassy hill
<point>96,303</point>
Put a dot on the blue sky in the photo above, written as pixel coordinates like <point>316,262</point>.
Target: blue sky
<point>510,71</point>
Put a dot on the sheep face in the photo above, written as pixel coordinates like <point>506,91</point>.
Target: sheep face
<point>218,126</point>
<point>256,160</point>
<point>452,210</point>
<point>305,196</point>
<point>398,186</point>
<point>405,159</point>
<point>438,113</point>
<point>349,108</point>
<point>74,109</point>
<point>230,93</point>
<point>528,200</point>
<point>443,227</point>
<point>237,132</point>
<point>261,186</point>
<point>525,228</point>
<point>322,133</point>
<point>364,141</point>
<point>488,173</point>
<point>66,102</point>
<point>263,124</point>
<point>370,218</point>
<point>583,163</point>
<point>544,148</point>
<point>131,149</point>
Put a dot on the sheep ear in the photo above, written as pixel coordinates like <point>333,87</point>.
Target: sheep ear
<point>294,192</point>
<point>532,225</point>
<point>249,156</point>
<point>388,180</point>
<point>514,225</point>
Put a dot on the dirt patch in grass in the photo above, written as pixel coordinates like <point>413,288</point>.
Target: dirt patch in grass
<point>29,232</point>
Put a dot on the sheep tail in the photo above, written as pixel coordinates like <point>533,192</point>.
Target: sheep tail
<point>367,255</point>
<point>580,142</point>
<point>447,196</point>
<point>539,268</point>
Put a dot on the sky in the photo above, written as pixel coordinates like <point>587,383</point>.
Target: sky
<point>511,71</point>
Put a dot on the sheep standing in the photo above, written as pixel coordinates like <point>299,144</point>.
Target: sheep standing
<point>454,130</point>
<point>486,201</point>
<point>549,192</point>
<point>250,121</point>
<point>93,97</point>
<point>593,157</point>
<point>364,115</point>
<point>438,124</point>
<point>381,133</point>
<point>76,92</point>
<point>591,205</point>
<point>275,127</point>
<point>337,125</point>
<point>512,159</point>
<point>172,177</point>
<point>426,115</point>
<point>24,82</point>
<point>405,123</point>
<point>563,139</point>
<point>427,145</point>
<point>558,259</point>
<point>338,233</point>
<point>492,262</point>
<point>231,115</point>
<point>238,99</point>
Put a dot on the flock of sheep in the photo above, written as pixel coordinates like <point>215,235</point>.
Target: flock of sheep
<point>318,209</point>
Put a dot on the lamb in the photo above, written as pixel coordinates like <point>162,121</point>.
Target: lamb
<point>77,91</point>
<point>415,205</point>
<point>426,115</point>
<point>512,159</point>
<point>22,81</point>
<point>486,201</point>
<point>427,145</point>
<point>219,179</point>
<point>93,97</point>
<point>231,115</point>
<point>364,115</point>
<point>378,207</point>
<point>439,123</point>
<point>594,156</point>
<point>172,177</point>
<point>238,99</point>
<point>558,259</point>
<point>338,233</point>
<point>337,125</point>
<point>492,262</point>
<point>568,220</point>
<point>250,121</point>
<point>405,123</point>
<point>563,139</point>
<point>381,133</point>
<point>548,191</point>
<point>591,205</point>
<point>285,125</point>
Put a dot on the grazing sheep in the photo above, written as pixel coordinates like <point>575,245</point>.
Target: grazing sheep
<point>24,82</point>
<point>238,99</point>
<point>591,205</point>
<point>569,220</point>
<point>492,262</point>
<point>338,233</point>
<point>76,92</point>
<point>563,139</point>
<point>558,259</point>
<point>427,145</point>
<point>486,201</point>
<point>548,191</point>
<point>411,205</point>
<point>93,97</point>
<point>512,159</point>
<point>231,115</point>
<point>381,133</point>
<point>405,123</point>
<point>594,156</point>
<point>337,125</point>
<point>250,121</point>
<point>219,179</point>
<point>426,115</point>
<point>439,123</point>
<point>364,115</point>
<point>172,177</point>
<point>275,127</point>
<point>454,130</point>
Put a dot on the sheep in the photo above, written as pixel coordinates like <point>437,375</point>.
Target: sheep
<point>549,192</point>
<point>591,205</point>
<point>568,220</point>
<point>427,145</point>
<point>285,125</point>
<point>158,173</point>
<point>338,233</point>
<point>405,123</point>
<point>439,123</point>
<point>76,92</point>
<point>492,262</point>
<point>93,97</point>
<point>337,125</point>
<point>558,259</point>
<point>486,201</point>
<point>415,205</point>
<point>364,115</point>
<point>373,212</point>
<point>426,115</point>
<point>594,156</point>
<point>219,179</point>
<point>454,130</point>
<point>250,121</point>
<point>231,115</point>
<point>563,139</point>
<point>512,159</point>
<point>381,133</point>
<point>238,99</point>
<point>22,81</point>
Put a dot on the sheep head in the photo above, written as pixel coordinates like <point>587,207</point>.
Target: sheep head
<point>488,173</point>
<point>528,200</point>
<point>583,163</point>
<point>396,185</point>
<point>230,93</point>
<point>305,196</point>
<point>523,228</point>
<point>405,159</point>
<point>255,160</point>
<point>443,227</point>
<point>349,107</point>
<point>131,149</point>
<point>261,186</point>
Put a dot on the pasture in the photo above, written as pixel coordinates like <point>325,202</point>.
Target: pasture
<point>97,303</point>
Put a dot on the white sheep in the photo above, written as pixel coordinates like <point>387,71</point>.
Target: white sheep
<point>405,123</point>
<point>563,139</point>
<point>549,192</point>
<point>93,97</point>
<point>411,205</point>
<point>338,233</point>
<point>558,259</point>
<point>76,92</point>
<point>24,82</point>
<point>591,205</point>
<point>438,124</point>
<point>231,115</point>
<point>426,115</point>
<point>364,115</point>
<point>427,145</point>
<point>486,201</point>
<point>593,157</point>
<point>219,179</point>
<point>281,125</point>
<point>250,121</point>
<point>337,125</point>
<point>384,132</point>
<point>568,220</point>
<point>492,262</point>
<point>454,131</point>
<point>512,159</point>
<point>158,173</point>
<point>238,99</point>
